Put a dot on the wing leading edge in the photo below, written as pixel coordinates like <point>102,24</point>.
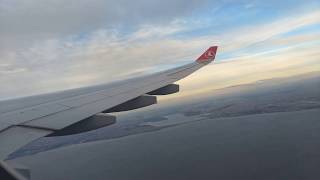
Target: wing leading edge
<point>26,119</point>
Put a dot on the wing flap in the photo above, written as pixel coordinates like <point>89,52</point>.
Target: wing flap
<point>27,114</point>
<point>15,137</point>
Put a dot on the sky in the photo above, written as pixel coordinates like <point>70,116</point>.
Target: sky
<point>52,45</point>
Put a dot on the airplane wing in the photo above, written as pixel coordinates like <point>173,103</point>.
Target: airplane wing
<point>74,111</point>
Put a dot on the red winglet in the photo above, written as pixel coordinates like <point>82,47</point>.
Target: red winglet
<point>209,55</point>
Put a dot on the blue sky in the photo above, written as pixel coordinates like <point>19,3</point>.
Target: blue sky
<point>55,45</point>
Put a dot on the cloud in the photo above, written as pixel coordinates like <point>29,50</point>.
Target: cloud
<point>60,57</point>
<point>23,22</point>
<point>249,35</point>
<point>157,31</point>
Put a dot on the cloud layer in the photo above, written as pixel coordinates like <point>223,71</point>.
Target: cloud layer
<point>53,45</point>
<point>34,20</point>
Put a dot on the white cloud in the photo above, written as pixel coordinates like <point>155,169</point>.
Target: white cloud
<point>152,31</point>
<point>252,34</point>
<point>24,22</point>
<point>60,62</point>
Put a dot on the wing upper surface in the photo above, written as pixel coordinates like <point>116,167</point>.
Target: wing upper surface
<point>33,117</point>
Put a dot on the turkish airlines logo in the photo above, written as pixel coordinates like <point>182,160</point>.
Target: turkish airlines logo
<point>210,54</point>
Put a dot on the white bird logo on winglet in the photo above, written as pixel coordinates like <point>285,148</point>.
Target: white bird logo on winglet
<point>210,54</point>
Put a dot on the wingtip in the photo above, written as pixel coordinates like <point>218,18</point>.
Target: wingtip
<point>209,55</point>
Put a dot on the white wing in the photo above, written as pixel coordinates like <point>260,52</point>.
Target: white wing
<point>73,111</point>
